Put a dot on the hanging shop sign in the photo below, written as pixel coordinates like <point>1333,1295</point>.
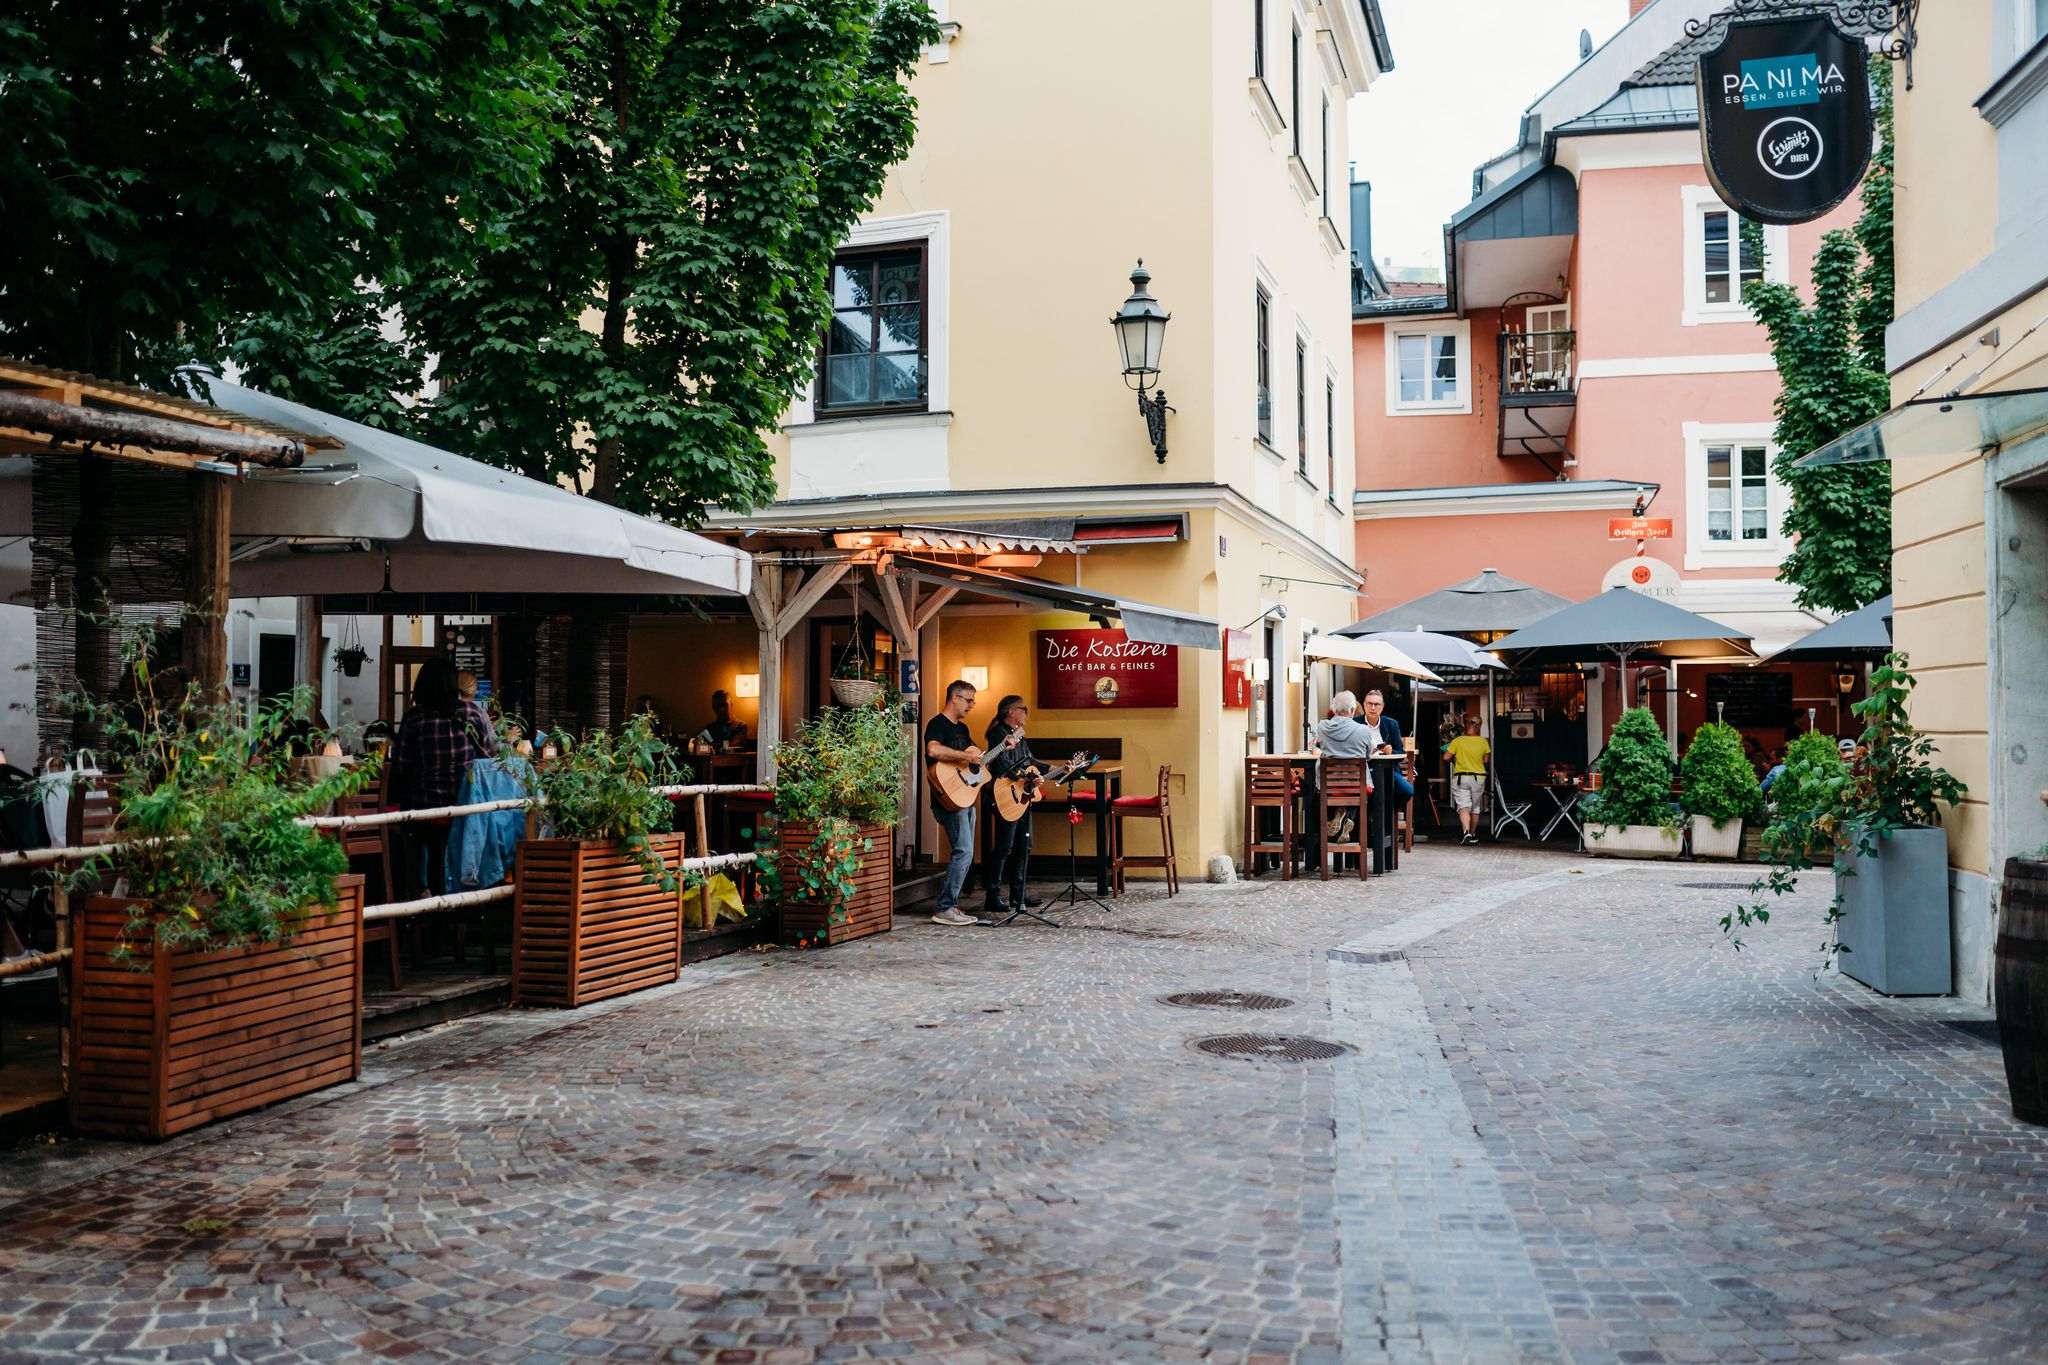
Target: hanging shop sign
<point>1085,669</point>
<point>1238,685</point>
<point>1650,577</point>
<point>1639,528</point>
<point>1785,117</point>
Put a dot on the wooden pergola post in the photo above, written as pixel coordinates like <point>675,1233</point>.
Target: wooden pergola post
<point>778,604</point>
<point>210,502</point>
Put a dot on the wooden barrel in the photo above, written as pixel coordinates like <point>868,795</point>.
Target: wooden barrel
<point>2022,985</point>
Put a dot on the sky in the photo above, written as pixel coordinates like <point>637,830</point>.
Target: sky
<point>1464,70</point>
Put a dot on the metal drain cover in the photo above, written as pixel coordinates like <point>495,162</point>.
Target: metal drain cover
<point>1270,1047</point>
<point>1715,886</point>
<point>1226,1000</point>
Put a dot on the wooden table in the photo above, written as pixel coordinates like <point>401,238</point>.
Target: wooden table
<point>1108,777</point>
<point>1379,807</point>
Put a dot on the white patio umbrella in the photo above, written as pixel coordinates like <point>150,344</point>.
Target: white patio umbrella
<point>1340,649</point>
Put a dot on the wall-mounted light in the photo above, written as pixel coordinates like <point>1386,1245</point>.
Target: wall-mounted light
<point>746,685</point>
<point>1141,336</point>
<point>976,677</point>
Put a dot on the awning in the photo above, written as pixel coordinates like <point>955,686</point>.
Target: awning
<point>1625,623</point>
<point>1939,426</point>
<point>1038,535</point>
<point>1516,238</point>
<point>1142,621</point>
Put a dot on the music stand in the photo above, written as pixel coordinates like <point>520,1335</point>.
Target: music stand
<point>1071,893</point>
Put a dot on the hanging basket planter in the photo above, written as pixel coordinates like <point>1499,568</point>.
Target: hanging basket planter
<point>855,691</point>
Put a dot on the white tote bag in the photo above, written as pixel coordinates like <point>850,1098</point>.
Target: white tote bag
<point>56,781</point>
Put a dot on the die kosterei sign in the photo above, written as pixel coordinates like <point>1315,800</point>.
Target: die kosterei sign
<point>1785,117</point>
<point>1080,669</point>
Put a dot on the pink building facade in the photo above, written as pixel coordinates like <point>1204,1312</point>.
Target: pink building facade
<point>1589,356</point>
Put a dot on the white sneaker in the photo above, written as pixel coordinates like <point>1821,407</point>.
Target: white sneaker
<point>954,918</point>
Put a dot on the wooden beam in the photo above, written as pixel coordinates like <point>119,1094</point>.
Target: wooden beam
<point>210,499</point>
<point>808,596</point>
<point>156,435</point>
<point>887,583</point>
<point>312,658</point>
<point>930,608</point>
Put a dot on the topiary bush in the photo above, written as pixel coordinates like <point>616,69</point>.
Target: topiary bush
<point>1635,772</point>
<point>1719,783</point>
<point>1814,772</point>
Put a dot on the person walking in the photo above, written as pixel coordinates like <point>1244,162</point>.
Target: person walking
<point>948,740</point>
<point>1468,753</point>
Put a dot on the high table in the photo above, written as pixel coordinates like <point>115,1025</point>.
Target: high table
<point>1108,777</point>
<point>1379,807</point>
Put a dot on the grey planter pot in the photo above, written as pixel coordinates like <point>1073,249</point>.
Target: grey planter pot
<point>1895,915</point>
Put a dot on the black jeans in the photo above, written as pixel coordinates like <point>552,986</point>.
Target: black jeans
<point>1008,854</point>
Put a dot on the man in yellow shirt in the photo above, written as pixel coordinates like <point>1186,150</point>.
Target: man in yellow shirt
<point>1468,754</point>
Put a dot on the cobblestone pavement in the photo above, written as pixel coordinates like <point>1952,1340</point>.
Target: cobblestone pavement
<point>1576,1126</point>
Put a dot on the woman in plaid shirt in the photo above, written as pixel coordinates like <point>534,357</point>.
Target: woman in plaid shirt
<point>439,738</point>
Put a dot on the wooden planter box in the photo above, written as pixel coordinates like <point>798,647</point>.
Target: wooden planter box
<point>193,1037</point>
<point>588,925</point>
<point>873,907</point>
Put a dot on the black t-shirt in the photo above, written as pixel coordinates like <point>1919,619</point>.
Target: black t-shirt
<point>952,734</point>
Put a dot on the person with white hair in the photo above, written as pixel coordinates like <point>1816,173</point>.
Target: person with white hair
<point>1342,735</point>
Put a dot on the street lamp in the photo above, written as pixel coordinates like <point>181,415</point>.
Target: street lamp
<point>1141,335</point>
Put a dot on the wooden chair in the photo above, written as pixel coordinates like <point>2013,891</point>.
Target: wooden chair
<point>1404,815</point>
<point>1341,787</point>
<point>1158,808</point>
<point>1269,784</point>
<point>361,845</point>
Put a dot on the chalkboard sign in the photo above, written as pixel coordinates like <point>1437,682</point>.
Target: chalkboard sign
<point>1750,698</point>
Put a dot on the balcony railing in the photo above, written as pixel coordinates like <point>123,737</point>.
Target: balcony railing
<point>1533,364</point>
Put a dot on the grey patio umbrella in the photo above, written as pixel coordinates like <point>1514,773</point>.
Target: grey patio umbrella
<point>1434,647</point>
<point>1486,604</point>
<point>1624,624</point>
<point>1863,634</point>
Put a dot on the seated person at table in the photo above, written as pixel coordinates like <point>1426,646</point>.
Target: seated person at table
<point>723,729</point>
<point>438,739</point>
<point>1468,754</point>
<point>1341,735</point>
<point>1390,741</point>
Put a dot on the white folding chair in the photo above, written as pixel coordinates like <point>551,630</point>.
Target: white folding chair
<point>1506,813</point>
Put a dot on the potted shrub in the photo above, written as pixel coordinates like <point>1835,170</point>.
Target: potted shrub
<point>219,939</point>
<point>1631,816</point>
<point>597,907</point>
<point>1881,817</point>
<point>838,793</point>
<point>1720,790</point>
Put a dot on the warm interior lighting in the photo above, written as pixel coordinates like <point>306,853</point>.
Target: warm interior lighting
<point>746,685</point>
<point>976,677</point>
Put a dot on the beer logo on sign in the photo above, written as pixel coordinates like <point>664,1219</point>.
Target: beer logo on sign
<point>1790,148</point>
<point>1105,690</point>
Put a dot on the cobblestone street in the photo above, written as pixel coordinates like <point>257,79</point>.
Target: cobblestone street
<point>1575,1126</point>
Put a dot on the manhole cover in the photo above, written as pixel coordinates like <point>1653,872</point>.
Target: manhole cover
<point>1715,886</point>
<point>1226,1000</point>
<point>1270,1047</point>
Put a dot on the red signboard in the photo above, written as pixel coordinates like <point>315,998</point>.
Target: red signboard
<point>1084,669</point>
<point>1237,669</point>
<point>1639,528</point>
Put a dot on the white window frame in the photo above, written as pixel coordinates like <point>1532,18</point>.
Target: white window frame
<point>935,231</point>
<point>1698,201</point>
<point>1461,329</point>
<point>1702,553</point>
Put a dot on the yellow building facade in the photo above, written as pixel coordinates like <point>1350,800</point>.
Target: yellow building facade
<point>1967,442</point>
<point>971,376</point>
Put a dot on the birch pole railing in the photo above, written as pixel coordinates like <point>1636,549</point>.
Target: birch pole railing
<point>454,900</point>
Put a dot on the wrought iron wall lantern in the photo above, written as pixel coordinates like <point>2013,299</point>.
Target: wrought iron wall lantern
<point>1141,336</point>
<point>1894,23</point>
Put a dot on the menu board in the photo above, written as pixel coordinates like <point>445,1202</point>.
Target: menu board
<point>468,645</point>
<point>1086,669</point>
<point>1752,697</point>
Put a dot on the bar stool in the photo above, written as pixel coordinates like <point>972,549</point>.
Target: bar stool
<point>1269,784</point>
<point>1145,808</point>
<point>1404,815</point>
<point>1341,787</point>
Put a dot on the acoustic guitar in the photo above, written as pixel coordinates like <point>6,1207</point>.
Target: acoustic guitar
<point>1016,795</point>
<point>956,784</point>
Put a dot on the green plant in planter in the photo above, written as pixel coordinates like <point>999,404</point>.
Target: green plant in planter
<point>842,768</point>
<point>1893,784</point>
<point>208,809</point>
<point>1635,773</point>
<point>1719,783</point>
<point>600,786</point>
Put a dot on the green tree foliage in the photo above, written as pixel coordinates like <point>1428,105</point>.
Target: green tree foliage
<point>1813,773</point>
<point>1830,359</point>
<point>1719,783</point>
<point>170,168</point>
<point>636,323</point>
<point>1635,774</point>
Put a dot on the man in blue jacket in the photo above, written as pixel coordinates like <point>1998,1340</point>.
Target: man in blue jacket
<point>1390,741</point>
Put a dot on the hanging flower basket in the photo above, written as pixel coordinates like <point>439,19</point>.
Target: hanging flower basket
<point>351,661</point>
<point>856,691</point>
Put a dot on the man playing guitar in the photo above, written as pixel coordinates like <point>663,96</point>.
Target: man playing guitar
<point>948,740</point>
<point>1010,757</point>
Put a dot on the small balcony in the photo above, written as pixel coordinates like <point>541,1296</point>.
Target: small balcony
<point>1538,394</point>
